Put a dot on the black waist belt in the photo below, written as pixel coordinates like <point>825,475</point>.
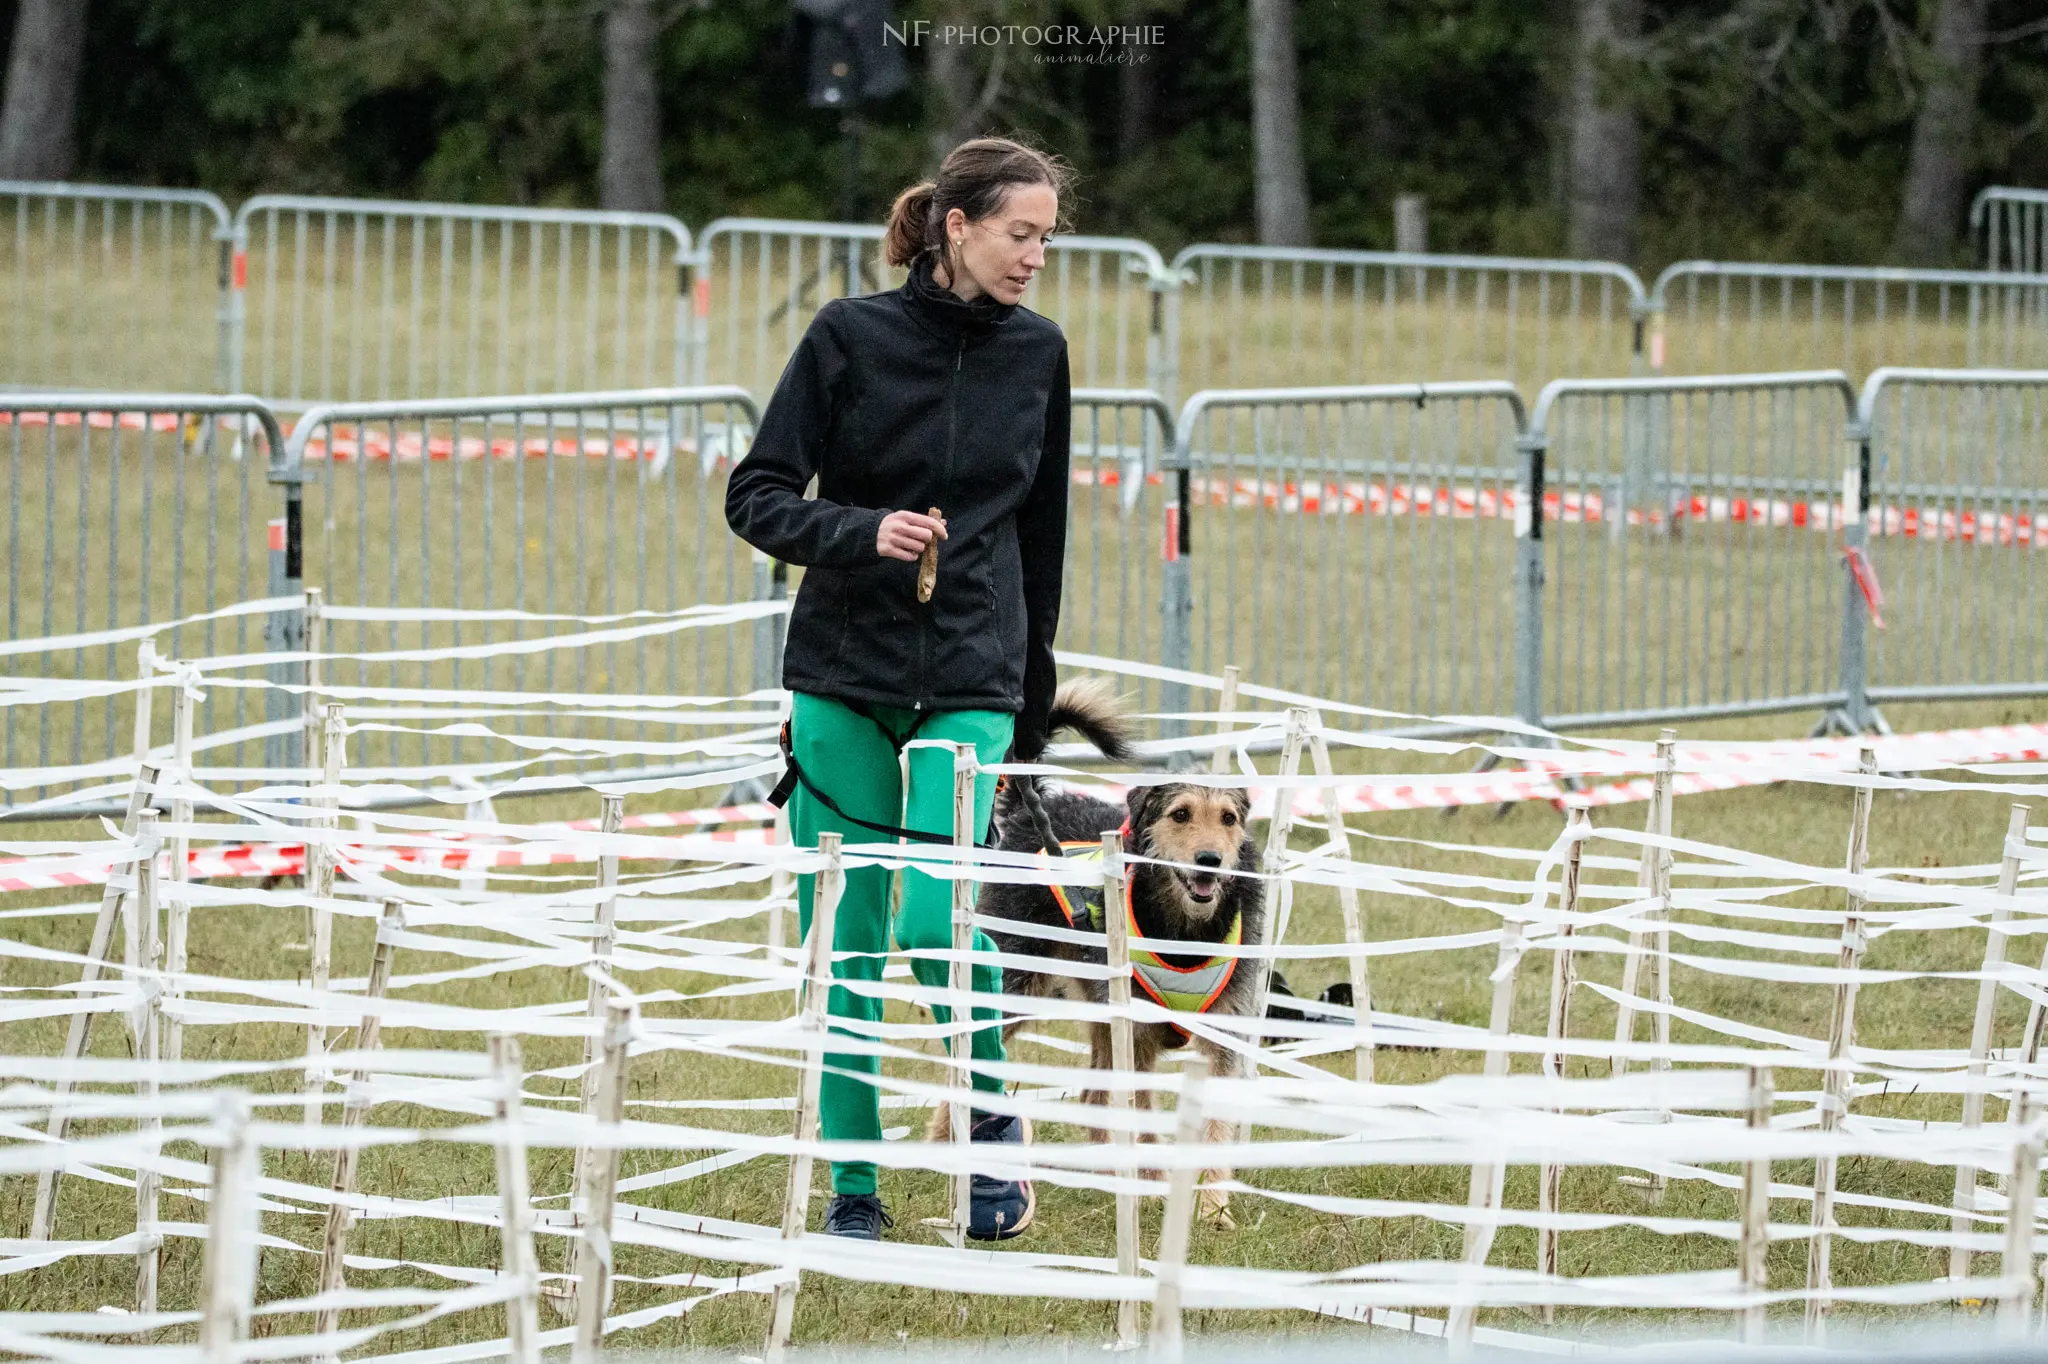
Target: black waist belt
<point>793,774</point>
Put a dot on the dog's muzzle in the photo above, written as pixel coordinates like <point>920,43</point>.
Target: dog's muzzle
<point>1202,883</point>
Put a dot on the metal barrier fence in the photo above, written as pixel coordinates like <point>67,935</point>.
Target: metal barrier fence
<point>563,505</point>
<point>125,510</point>
<point>350,299</point>
<point>759,281</point>
<point>1718,317</point>
<point>108,287</point>
<point>1960,470</point>
<point>1261,315</point>
<point>2007,223</point>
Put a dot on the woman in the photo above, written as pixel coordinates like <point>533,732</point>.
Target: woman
<point>942,394</point>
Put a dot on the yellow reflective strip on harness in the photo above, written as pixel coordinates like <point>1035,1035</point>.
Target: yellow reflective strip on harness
<point>1090,852</point>
<point>1187,989</point>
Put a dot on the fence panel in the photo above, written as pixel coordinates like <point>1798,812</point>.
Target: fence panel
<point>1254,315</point>
<point>126,510</point>
<point>594,504</point>
<point>1116,510</point>
<point>1691,535</point>
<point>1355,542</point>
<point>2007,224</point>
<point>360,299</point>
<point>760,280</point>
<point>1713,317</point>
<point>1958,528</point>
<point>107,287</point>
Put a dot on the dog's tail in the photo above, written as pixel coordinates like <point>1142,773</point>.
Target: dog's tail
<point>1089,707</point>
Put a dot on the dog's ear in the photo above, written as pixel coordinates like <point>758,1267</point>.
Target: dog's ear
<point>1241,798</point>
<point>1141,806</point>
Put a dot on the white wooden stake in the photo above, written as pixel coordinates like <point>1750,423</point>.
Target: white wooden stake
<point>1219,761</point>
<point>781,892</point>
<point>320,860</point>
<point>1837,1082</point>
<point>517,1259</point>
<point>180,908</point>
<point>309,708</point>
<point>1347,900</point>
<point>79,1031</point>
<point>228,1273</point>
<point>368,1038</point>
<point>596,1187</point>
<point>2016,1312</point>
<point>1166,1340</point>
<point>145,695</point>
<point>1756,1208</point>
<point>1484,1193</point>
<point>1563,976</point>
<point>144,961</point>
<point>960,978</point>
<point>817,991</point>
<point>611,818</point>
<point>1980,1036</point>
<point>1654,861</point>
<point>1281,899</point>
<point>1123,1059</point>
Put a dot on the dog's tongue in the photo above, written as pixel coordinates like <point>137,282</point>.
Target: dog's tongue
<point>1203,883</point>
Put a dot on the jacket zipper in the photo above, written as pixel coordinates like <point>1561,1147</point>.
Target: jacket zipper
<point>945,500</point>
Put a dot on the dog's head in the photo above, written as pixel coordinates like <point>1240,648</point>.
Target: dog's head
<point>1200,827</point>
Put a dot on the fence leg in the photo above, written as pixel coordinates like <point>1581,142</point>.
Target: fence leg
<point>144,961</point>
<point>1484,1194</point>
<point>180,909</point>
<point>2015,1312</point>
<point>1656,824</point>
<point>228,1275</point>
<point>80,1029</point>
<point>1980,1036</point>
<point>1122,1059</point>
<point>1837,1083</point>
<point>1275,858</point>
<point>516,1259</point>
<point>817,989</point>
<point>597,1184</point>
<point>320,860</point>
<point>1177,600</point>
<point>960,980</point>
<point>1347,899</point>
<point>604,938</point>
<point>1562,978</point>
<point>1219,761</point>
<point>369,1037</point>
<point>1180,1213</point>
<point>1756,1208</point>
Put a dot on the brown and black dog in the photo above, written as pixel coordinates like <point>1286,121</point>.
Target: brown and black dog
<point>1199,829</point>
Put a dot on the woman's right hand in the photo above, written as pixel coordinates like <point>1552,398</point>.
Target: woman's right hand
<point>904,534</point>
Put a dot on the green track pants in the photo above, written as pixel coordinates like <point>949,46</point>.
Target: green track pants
<point>853,761</point>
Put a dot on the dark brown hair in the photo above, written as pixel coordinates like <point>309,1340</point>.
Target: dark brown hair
<point>975,178</point>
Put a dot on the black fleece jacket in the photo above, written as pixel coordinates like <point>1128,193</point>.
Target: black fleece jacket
<point>909,400</point>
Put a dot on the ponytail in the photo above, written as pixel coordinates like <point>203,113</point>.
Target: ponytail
<point>910,232</point>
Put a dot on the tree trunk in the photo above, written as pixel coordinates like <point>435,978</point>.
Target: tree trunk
<point>630,174</point>
<point>1937,173</point>
<point>1137,92</point>
<point>41,108</point>
<point>1606,165</point>
<point>1278,174</point>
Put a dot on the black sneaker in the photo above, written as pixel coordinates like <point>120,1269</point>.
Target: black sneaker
<point>857,1216</point>
<point>998,1209</point>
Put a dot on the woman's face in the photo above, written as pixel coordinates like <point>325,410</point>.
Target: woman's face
<point>1000,253</point>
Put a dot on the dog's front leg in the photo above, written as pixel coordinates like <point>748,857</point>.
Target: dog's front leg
<point>1212,1204</point>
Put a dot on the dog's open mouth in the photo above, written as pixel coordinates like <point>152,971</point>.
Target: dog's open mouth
<point>1201,886</point>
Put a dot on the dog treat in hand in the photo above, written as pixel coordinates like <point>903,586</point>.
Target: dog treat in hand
<point>928,563</point>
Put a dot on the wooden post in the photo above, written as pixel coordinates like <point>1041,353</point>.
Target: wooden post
<point>817,991</point>
<point>1123,1059</point>
<point>309,707</point>
<point>1485,1190</point>
<point>320,860</point>
<point>228,1272</point>
<point>1563,977</point>
<point>1274,862</point>
<point>1837,1082</point>
<point>1347,900</point>
<point>180,908</point>
<point>369,1036</point>
<point>1219,761</point>
<point>79,1032</point>
<point>144,961</point>
<point>1654,863</point>
<point>960,979</point>
<point>1180,1213</point>
<point>2015,1313</point>
<point>596,1186</point>
<point>781,890</point>
<point>145,696</point>
<point>516,1259</point>
<point>1756,1208</point>
<point>1980,1036</point>
<point>611,818</point>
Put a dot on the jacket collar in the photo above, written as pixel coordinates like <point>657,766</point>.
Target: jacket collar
<point>946,310</point>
